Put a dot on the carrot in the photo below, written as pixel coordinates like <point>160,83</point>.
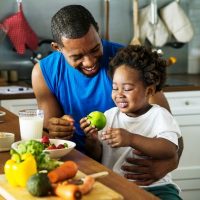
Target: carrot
<point>65,171</point>
<point>87,185</point>
<point>68,192</point>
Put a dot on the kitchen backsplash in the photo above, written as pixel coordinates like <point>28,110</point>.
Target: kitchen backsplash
<point>38,14</point>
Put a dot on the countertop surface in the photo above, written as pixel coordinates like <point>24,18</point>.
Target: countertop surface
<point>182,82</point>
<point>175,82</point>
<point>19,95</point>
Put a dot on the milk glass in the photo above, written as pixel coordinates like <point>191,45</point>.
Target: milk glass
<point>31,123</point>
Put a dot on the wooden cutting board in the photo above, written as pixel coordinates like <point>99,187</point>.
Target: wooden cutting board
<point>99,192</point>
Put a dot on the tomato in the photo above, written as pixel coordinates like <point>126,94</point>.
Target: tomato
<point>51,146</point>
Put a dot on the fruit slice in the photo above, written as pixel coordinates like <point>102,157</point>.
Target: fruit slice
<point>51,146</point>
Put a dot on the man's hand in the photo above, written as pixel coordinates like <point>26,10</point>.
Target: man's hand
<point>61,127</point>
<point>148,170</point>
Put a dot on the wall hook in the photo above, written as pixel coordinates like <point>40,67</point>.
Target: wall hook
<point>18,4</point>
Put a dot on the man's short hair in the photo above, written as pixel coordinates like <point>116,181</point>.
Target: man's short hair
<point>71,22</point>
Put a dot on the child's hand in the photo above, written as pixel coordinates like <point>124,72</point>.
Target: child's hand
<point>90,131</point>
<point>116,137</point>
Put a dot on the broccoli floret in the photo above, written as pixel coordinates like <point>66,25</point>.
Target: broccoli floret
<point>44,162</point>
<point>32,146</point>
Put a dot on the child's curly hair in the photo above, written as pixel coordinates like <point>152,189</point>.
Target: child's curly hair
<point>149,63</point>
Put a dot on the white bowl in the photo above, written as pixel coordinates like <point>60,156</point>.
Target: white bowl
<point>6,140</point>
<point>58,153</point>
<point>53,153</point>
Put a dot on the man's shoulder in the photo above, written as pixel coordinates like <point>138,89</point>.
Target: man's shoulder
<point>53,57</point>
<point>111,44</point>
<point>110,49</point>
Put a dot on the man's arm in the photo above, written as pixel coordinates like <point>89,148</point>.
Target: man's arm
<point>160,99</point>
<point>181,146</point>
<point>45,98</point>
<point>57,124</point>
<point>93,148</point>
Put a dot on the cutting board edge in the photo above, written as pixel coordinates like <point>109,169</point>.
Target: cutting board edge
<point>10,196</point>
<point>6,194</point>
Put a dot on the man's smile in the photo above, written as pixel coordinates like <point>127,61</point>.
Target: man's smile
<point>89,71</point>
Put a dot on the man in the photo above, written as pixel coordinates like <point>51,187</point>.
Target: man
<point>73,81</point>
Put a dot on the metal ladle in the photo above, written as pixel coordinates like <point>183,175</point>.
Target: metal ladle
<point>154,21</point>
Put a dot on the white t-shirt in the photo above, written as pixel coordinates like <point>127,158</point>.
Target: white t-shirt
<point>157,122</point>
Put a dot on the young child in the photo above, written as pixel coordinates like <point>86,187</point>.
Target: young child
<point>137,74</point>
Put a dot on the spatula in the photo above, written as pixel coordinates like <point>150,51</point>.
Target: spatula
<point>99,174</point>
<point>135,40</point>
<point>95,175</point>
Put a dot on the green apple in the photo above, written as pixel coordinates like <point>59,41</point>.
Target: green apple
<point>97,119</point>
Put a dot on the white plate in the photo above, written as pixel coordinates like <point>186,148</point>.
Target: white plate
<point>6,140</point>
<point>54,153</point>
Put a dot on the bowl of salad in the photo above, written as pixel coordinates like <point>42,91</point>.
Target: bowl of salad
<point>56,148</point>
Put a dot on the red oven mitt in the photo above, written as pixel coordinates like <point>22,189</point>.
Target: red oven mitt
<point>20,33</point>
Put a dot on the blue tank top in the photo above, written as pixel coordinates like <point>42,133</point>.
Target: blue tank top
<point>77,94</point>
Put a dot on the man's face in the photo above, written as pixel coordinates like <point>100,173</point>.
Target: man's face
<point>84,53</point>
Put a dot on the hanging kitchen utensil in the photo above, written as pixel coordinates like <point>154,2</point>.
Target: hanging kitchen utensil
<point>19,31</point>
<point>175,44</point>
<point>154,19</point>
<point>177,22</point>
<point>154,23</point>
<point>151,26</point>
<point>107,18</point>
<point>135,40</point>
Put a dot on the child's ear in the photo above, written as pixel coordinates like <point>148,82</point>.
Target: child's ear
<point>150,91</point>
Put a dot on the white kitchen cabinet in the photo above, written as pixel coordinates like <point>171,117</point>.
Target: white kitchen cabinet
<point>185,107</point>
<point>15,105</point>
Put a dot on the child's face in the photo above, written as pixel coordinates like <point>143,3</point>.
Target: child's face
<point>129,93</point>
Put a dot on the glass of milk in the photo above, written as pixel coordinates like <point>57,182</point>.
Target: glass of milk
<point>31,123</point>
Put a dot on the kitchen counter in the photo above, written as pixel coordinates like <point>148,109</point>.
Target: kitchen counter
<point>182,82</point>
<point>19,95</point>
<point>190,78</point>
<point>175,82</point>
